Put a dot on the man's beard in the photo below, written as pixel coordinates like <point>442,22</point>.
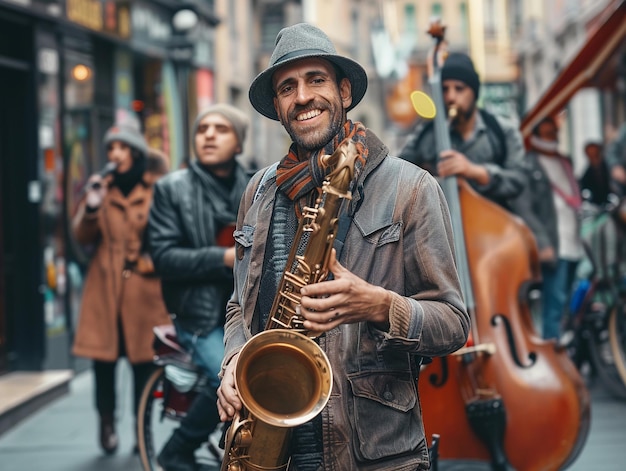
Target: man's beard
<point>312,141</point>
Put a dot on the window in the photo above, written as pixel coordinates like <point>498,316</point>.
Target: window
<point>436,10</point>
<point>410,24</point>
<point>463,20</point>
<point>272,22</point>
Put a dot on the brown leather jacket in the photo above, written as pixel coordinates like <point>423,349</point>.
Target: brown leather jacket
<point>400,238</point>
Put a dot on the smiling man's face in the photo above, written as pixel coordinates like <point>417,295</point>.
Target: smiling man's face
<point>309,102</point>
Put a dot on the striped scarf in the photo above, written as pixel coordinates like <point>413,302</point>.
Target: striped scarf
<point>298,179</point>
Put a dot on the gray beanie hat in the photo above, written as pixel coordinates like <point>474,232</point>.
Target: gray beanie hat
<point>237,118</point>
<point>128,134</point>
<point>297,42</point>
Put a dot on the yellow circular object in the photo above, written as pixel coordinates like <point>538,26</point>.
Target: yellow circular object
<point>423,105</point>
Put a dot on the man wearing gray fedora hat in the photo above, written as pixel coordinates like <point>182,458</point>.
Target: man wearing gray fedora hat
<point>394,293</point>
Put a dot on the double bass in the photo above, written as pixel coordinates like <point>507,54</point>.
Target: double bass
<point>507,397</point>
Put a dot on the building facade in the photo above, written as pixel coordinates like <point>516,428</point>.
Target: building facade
<point>71,68</point>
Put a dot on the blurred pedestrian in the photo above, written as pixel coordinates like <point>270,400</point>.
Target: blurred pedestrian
<point>596,179</point>
<point>191,240</point>
<point>557,277</point>
<point>122,297</point>
<point>535,205</point>
<point>487,150</point>
<point>616,158</point>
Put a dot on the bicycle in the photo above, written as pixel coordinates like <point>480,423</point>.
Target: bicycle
<point>617,321</point>
<point>166,397</point>
<point>595,303</point>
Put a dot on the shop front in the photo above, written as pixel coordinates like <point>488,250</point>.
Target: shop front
<point>71,68</point>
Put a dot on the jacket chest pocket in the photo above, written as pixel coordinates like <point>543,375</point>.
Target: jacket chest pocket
<point>243,241</point>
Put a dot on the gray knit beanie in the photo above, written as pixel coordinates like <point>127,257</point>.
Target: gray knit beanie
<point>237,118</point>
<point>128,134</point>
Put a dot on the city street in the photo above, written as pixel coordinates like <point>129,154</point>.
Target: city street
<point>63,436</point>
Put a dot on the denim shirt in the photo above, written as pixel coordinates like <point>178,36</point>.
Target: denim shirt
<point>400,238</point>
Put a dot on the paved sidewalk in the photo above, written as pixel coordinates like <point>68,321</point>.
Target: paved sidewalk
<point>64,435</point>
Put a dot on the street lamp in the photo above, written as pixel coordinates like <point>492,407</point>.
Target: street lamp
<point>191,15</point>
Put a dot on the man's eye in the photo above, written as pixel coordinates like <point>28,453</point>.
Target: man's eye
<point>202,128</point>
<point>285,90</point>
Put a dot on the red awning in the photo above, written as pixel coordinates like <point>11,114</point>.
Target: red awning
<point>584,67</point>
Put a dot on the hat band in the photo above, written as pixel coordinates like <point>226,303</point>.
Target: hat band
<point>300,52</point>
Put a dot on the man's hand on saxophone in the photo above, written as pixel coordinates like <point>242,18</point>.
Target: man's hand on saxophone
<point>228,401</point>
<point>346,299</point>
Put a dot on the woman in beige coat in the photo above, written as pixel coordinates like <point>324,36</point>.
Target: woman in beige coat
<point>122,298</point>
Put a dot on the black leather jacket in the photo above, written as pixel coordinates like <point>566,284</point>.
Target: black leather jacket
<point>188,210</point>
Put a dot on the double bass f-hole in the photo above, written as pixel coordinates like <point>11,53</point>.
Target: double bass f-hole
<point>532,356</point>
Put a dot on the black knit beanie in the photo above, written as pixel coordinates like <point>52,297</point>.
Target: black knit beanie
<point>459,66</point>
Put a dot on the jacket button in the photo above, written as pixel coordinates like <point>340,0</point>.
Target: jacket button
<point>388,395</point>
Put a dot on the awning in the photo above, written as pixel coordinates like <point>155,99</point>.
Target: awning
<point>584,68</point>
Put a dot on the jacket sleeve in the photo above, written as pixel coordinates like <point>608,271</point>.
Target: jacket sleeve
<point>507,180</point>
<point>432,314</point>
<point>85,225</point>
<point>235,331</point>
<point>172,257</point>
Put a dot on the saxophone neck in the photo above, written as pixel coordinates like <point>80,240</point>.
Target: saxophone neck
<point>342,162</point>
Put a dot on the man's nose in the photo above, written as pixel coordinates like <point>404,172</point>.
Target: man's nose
<point>304,94</point>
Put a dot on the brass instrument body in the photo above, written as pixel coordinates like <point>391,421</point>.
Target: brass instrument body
<point>283,377</point>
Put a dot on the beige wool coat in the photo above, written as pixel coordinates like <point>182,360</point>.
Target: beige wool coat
<point>120,285</point>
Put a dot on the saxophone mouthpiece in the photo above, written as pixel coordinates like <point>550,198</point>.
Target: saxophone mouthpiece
<point>452,113</point>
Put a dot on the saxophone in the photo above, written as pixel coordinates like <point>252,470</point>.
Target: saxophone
<point>283,377</point>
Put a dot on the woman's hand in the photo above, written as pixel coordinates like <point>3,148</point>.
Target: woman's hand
<point>96,190</point>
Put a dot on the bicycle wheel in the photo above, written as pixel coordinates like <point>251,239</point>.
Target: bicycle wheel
<point>154,427</point>
<point>156,421</point>
<point>617,336</point>
<point>601,356</point>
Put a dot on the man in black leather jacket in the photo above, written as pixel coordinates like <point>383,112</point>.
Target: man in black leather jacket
<point>190,237</point>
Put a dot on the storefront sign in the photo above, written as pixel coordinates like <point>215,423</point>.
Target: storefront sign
<point>45,7</point>
<point>500,98</point>
<point>104,16</point>
<point>87,13</point>
<point>151,25</point>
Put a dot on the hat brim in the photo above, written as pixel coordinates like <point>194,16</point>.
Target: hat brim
<point>261,92</point>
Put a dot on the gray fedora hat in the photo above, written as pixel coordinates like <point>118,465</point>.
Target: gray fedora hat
<point>297,42</point>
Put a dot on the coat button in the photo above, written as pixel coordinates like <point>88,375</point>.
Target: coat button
<point>388,395</point>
